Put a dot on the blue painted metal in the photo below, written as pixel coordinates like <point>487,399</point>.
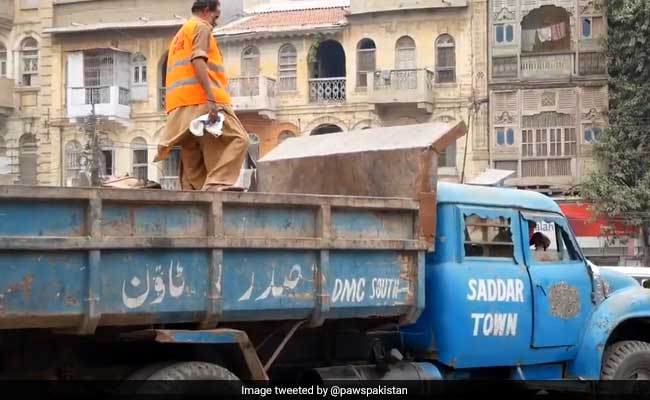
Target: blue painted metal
<point>538,372</point>
<point>239,260</point>
<point>219,336</point>
<point>626,303</point>
<point>496,197</point>
<point>557,330</point>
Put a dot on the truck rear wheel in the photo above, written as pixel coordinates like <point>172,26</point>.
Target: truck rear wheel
<point>627,360</point>
<point>161,380</point>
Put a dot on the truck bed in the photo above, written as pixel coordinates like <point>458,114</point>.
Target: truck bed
<point>80,258</point>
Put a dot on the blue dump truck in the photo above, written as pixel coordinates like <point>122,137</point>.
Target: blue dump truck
<point>448,282</point>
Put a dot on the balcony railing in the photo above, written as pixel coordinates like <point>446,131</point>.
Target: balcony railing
<point>327,90</point>
<point>547,65</point>
<point>401,86</point>
<point>6,93</point>
<point>108,101</point>
<point>255,93</point>
<point>592,64</point>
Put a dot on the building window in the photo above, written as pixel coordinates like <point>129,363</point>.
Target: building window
<point>445,59</point>
<point>103,70</point>
<point>73,155</point>
<point>29,62</point>
<point>108,162</point>
<point>592,134</point>
<point>366,53</point>
<point>448,157</point>
<point>284,135</point>
<point>405,53</point>
<point>250,61</point>
<point>171,169</point>
<point>548,143</point>
<point>287,64</point>
<point>139,63</point>
<point>505,136</point>
<point>140,159</point>
<point>28,159</point>
<point>504,33</point>
<point>3,61</point>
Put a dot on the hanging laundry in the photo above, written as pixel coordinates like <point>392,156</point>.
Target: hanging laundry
<point>544,34</point>
<point>558,31</point>
<point>528,37</point>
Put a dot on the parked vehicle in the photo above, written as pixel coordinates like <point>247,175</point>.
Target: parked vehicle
<point>152,284</point>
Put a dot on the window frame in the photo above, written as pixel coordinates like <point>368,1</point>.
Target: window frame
<point>4,61</point>
<point>400,47</point>
<point>362,74</point>
<point>32,54</point>
<point>139,144</point>
<point>490,213</point>
<point>445,68</point>
<point>558,220</point>
<point>138,66</point>
<point>250,53</point>
<point>504,27</point>
<point>287,71</point>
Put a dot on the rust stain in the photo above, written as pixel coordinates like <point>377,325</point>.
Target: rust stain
<point>25,286</point>
<point>71,300</point>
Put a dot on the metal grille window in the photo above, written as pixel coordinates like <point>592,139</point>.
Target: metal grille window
<point>73,153</point>
<point>366,52</point>
<point>405,53</point>
<point>140,159</point>
<point>445,59</point>
<point>139,63</point>
<point>250,61</point>
<point>287,64</point>
<point>3,61</point>
<point>549,142</point>
<point>29,62</point>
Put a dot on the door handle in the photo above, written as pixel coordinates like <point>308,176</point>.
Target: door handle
<point>541,288</point>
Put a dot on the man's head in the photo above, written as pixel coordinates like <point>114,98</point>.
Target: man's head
<point>209,10</point>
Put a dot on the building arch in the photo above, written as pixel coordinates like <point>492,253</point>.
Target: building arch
<point>366,124</point>
<point>546,29</point>
<point>326,120</point>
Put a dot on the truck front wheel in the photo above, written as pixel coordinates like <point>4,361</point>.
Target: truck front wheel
<point>627,360</point>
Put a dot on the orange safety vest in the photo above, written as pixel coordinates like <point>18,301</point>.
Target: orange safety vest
<point>183,88</point>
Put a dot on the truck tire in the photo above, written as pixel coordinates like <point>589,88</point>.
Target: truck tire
<point>165,379</point>
<point>627,360</point>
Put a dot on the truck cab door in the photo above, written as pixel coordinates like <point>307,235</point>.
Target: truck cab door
<point>561,284</point>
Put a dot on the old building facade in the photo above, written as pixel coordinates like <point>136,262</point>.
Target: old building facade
<point>25,143</point>
<point>318,67</point>
<point>548,89</point>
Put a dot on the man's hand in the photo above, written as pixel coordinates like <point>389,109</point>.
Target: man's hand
<point>213,113</point>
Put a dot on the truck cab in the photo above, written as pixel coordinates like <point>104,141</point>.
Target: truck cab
<point>509,292</point>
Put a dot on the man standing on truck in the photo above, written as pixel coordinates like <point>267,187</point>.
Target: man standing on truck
<point>196,86</point>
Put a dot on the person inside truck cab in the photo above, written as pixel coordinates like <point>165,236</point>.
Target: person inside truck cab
<point>196,86</point>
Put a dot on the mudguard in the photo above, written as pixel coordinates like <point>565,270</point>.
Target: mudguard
<point>621,306</point>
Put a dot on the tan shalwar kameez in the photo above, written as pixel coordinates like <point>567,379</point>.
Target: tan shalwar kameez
<point>205,161</point>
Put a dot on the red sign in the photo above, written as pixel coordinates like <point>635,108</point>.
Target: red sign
<point>583,222</point>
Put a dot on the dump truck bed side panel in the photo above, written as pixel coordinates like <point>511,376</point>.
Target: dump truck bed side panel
<point>82,258</point>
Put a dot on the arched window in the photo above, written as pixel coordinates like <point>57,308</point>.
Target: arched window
<point>445,59</point>
<point>3,61</point>
<point>29,62</point>
<point>73,152</point>
<point>250,61</point>
<point>140,159</point>
<point>28,159</point>
<point>405,53</point>
<point>326,129</point>
<point>287,62</point>
<point>366,53</point>
<point>284,135</point>
<point>139,64</point>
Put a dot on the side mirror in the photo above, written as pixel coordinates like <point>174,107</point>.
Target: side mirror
<point>646,283</point>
